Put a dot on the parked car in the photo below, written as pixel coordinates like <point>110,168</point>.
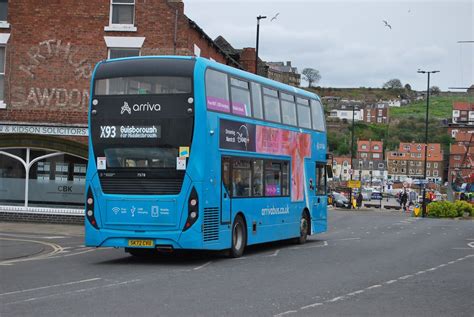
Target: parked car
<point>340,200</point>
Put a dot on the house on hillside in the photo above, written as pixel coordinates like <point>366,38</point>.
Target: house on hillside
<point>370,163</point>
<point>347,111</point>
<point>408,162</point>
<point>463,113</point>
<point>376,113</point>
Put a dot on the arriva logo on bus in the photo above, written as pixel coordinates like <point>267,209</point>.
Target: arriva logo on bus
<point>139,107</point>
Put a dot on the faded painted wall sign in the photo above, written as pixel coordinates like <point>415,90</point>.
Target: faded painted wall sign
<point>39,56</point>
<point>56,49</point>
<point>50,97</point>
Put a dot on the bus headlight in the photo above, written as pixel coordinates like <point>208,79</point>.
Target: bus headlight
<point>193,209</point>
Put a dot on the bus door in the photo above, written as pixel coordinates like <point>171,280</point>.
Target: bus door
<point>319,214</point>
<point>225,190</point>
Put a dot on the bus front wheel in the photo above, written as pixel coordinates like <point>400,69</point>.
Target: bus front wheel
<point>239,237</point>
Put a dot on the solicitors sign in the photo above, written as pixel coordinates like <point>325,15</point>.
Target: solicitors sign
<point>43,130</point>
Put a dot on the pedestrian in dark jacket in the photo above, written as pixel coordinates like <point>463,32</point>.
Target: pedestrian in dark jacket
<point>359,200</point>
<point>403,200</point>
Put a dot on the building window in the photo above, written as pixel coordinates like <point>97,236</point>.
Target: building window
<point>381,166</point>
<point>457,157</point>
<point>363,147</point>
<point>122,11</point>
<point>2,74</point>
<point>123,52</point>
<point>435,173</point>
<point>435,165</point>
<point>363,154</point>
<point>376,148</point>
<point>380,112</point>
<point>376,155</point>
<point>49,173</point>
<point>3,11</point>
<point>428,164</point>
<point>428,173</point>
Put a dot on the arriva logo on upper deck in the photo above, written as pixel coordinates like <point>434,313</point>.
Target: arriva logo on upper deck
<point>144,107</point>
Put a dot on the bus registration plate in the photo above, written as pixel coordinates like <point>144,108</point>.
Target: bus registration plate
<point>141,243</point>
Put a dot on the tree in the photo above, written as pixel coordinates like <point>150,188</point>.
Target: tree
<point>408,87</point>
<point>393,84</point>
<point>311,75</point>
<point>434,90</point>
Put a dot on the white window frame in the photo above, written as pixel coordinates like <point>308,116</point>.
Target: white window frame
<point>3,43</point>
<point>121,27</point>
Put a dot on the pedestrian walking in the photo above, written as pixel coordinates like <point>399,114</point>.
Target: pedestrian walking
<point>359,200</point>
<point>403,200</point>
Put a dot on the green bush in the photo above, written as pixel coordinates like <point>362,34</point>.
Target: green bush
<point>446,209</point>
<point>464,207</point>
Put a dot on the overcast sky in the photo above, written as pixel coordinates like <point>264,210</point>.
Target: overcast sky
<point>347,40</point>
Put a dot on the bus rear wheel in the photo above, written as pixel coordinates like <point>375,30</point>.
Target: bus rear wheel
<point>239,237</point>
<point>304,229</point>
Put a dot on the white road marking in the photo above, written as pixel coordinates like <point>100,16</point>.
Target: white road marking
<point>356,292</point>
<point>343,297</point>
<point>312,305</point>
<point>202,266</point>
<point>286,313</point>
<point>335,299</point>
<point>346,239</point>
<point>56,249</point>
<point>471,244</point>
<point>73,292</point>
<point>325,244</point>
<point>274,254</point>
<point>51,286</point>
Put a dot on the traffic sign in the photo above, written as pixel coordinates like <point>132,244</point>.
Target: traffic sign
<point>376,196</point>
<point>353,184</point>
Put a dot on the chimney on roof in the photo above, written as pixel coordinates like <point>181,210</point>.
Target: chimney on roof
<point>288,63</point>
<point>247,59</point>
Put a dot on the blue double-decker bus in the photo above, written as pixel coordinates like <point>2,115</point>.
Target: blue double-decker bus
<point>187,153</point>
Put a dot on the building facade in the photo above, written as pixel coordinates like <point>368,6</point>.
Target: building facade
<point>408,162</point>
<point>376,113</point>
<point>370,163</point>
<point>463,113</point>
<point>341,167</point>
<point>48,51</point>
<point>347,112</point>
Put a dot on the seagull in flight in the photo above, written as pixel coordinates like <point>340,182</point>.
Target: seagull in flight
<point>275,17</point>
<point>386,24</point>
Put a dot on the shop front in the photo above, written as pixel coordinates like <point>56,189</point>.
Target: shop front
<point>42,173</point>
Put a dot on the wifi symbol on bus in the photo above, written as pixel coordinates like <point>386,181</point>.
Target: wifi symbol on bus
<point>116,210</point>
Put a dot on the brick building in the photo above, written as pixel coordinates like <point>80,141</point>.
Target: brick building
<point>48,50</point>
<point>376,113</point>
<point>461,152</point>
<point>463,113</point>
<point>370,163</point>
<point>408,162</point>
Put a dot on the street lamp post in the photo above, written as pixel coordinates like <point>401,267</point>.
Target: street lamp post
<point>352,153</point>
<point>256,46</point>
<point>423,212</point>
